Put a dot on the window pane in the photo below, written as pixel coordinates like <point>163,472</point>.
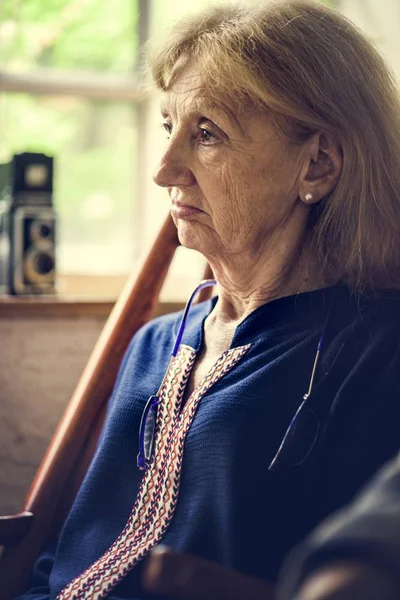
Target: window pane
<point>94,35</point>
<point>94,146</point>
<point>381,22</point>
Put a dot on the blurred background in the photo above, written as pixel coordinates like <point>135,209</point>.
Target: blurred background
<point>69,88</point>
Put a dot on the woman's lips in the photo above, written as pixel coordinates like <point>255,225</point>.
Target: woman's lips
<point>180,211</point>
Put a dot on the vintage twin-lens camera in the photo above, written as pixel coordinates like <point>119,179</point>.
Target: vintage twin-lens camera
<point>27,225</point>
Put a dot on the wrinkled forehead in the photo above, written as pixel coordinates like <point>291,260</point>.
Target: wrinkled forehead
<point>188,89</point>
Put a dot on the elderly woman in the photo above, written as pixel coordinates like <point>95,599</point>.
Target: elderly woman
<point>282,397</point>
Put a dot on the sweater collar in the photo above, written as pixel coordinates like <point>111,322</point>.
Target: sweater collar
<point>294,313</point>
<point>282,316</point>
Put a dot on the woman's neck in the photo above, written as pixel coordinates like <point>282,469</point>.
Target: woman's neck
<point>250,282</point>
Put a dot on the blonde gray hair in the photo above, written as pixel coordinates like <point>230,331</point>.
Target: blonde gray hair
<point>314,71</point>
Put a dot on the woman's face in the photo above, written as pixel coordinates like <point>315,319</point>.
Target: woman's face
<point>232,179</point>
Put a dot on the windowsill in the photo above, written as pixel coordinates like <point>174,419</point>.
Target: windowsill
<point>88,296</point>
<point>57,307</point>
<point>77,296</point>
<point>12,307</point>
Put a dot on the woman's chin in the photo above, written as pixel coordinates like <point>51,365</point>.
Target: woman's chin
<point>191,236</point>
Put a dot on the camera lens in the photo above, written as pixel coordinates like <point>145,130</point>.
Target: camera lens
<point>41,228</point>
<point>44,230</point>
<point>44,263</point>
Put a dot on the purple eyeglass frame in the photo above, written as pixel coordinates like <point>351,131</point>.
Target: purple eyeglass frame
<point>277,461</point>
<point>149,416</point>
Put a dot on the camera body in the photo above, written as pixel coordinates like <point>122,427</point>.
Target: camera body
<point>27,226</point>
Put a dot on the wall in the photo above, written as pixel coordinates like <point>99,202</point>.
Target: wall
<point>380,21</point>
<point>40,363</point>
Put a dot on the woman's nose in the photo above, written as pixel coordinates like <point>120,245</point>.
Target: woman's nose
<point>173,169</point>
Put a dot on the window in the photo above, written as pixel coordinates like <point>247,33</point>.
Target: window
<point>69,91</point>
<point>94,143</point>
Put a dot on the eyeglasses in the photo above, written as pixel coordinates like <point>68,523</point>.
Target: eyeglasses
<point>147,432</point>
<point>300,437</point>
<point>299,440</point>
<point>303,432</point>
<point>147,428</point>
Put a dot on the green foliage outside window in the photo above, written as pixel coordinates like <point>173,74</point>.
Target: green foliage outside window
<point>97,35</point>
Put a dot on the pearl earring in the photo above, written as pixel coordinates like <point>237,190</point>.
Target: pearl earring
<point>308,197</point>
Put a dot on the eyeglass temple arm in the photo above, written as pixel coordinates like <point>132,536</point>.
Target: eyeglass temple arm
<point>203,284</point>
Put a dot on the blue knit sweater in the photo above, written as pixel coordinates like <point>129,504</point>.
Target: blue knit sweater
<point>210,492</point>
<point>367,530</point>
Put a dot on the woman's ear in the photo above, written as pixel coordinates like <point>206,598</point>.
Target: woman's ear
<point>321,169</point>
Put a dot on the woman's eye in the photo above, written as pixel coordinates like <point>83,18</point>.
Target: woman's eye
<point>167,126</point>
<point>206,135</point>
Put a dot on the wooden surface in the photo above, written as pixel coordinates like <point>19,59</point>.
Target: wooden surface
<point>12,307</point>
